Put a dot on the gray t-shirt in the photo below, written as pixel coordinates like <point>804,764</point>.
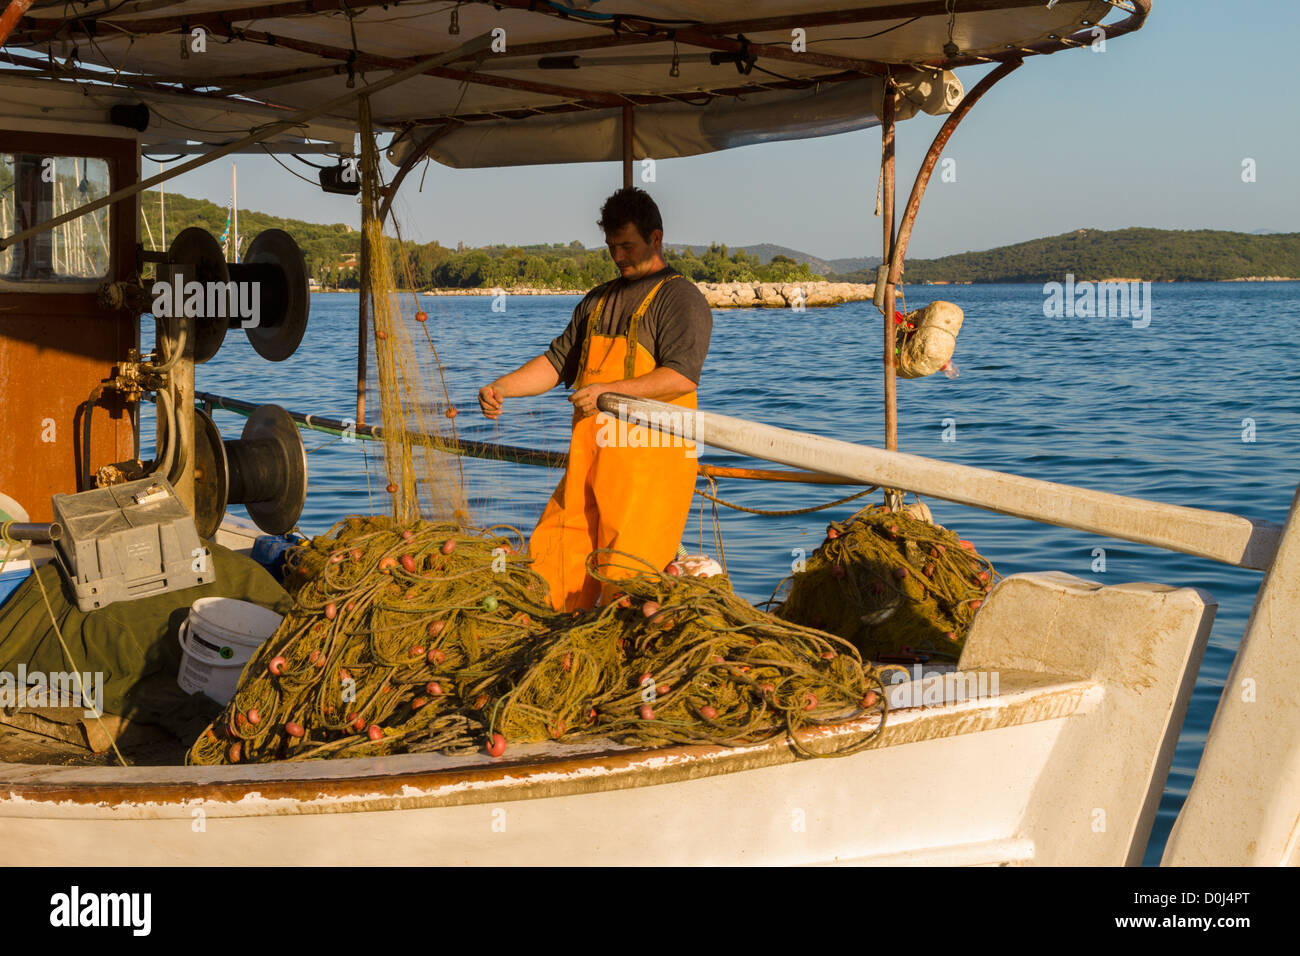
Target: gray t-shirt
<point>675,329</point>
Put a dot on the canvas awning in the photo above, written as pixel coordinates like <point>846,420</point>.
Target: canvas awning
<point>555,84</point>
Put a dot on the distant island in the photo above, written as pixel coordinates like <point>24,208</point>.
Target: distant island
<point>1154,255</point>
<point>1157,255</point>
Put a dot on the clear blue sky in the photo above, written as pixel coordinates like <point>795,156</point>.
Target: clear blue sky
<point>1150,133</point>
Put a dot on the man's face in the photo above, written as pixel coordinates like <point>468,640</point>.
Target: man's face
<point>635,257</point>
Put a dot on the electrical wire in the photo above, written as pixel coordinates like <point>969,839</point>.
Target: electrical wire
<point>781,76</point>
<point>869,36</point>
<point>286,168</point>
<point>307,162</point>
<point>412,16</point>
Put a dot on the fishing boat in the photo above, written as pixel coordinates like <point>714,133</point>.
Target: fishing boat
<point>1050,741</point>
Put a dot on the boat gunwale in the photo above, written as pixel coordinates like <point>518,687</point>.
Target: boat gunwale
<point>1024,698</point>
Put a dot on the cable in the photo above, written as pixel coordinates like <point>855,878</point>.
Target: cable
<point>163,464</point>
<point>286,168</point>
<point>86,478</point>
<point>787,513</point>
<point>869,36</point>
<point>307,162</point>
<point>160,337</point>
<point>781,76</point>
<point>412,16</point>
<point>615,18</point>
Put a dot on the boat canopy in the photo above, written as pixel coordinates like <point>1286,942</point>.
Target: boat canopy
<point>554,86</point>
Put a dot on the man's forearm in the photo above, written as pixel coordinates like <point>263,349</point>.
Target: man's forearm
<point>531,378</point>
<point>663,384</point>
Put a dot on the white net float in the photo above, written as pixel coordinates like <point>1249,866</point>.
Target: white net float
<point>694,566</point>
<point>927,339</point>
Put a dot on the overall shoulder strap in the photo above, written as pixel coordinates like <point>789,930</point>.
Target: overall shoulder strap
<point>593,319</point>
<point>629,360</point>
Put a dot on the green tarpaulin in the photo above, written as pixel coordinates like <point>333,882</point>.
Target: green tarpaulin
<point>132,644</point>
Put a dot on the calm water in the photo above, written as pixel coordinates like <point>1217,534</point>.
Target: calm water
<point>1155,412</point>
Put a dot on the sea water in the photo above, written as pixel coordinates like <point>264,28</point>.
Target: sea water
<point>1200,407</point>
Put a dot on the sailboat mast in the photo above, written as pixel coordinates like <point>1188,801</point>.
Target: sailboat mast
<point>234,209</point>
<point>162,207</point>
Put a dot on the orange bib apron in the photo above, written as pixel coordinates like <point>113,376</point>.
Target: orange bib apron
<point>632,494</point>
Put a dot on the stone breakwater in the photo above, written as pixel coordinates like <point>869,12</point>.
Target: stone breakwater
<point>782,295</point>
<point>729,295</point>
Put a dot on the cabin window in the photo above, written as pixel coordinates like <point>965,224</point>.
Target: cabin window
<point>35,188</point>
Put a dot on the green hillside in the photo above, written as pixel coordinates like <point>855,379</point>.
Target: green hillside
<point>331,250</point>
<point>324,247</point>
<point>1152,254</point>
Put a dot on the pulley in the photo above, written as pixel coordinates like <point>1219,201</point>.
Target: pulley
<point>265,470</point>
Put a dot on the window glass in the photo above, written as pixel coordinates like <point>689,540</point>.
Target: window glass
<point>36,188</point>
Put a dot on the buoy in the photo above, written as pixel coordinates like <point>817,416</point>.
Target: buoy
<point>929,347</point>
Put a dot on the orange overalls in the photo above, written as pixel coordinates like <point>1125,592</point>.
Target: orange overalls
<point>623,495</point>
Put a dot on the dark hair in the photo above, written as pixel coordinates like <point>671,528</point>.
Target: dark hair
<point>633,205</point>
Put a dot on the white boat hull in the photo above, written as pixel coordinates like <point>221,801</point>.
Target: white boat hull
<point>1063,764</point>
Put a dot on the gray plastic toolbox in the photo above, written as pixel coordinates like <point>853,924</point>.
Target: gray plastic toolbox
<point>129,541</point>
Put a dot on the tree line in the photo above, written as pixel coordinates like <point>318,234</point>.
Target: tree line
<point>331,252</point>
<point>1139,253</point>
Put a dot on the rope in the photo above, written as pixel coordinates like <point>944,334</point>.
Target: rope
<point>786,513</point>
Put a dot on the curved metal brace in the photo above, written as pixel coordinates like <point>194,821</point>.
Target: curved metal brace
<point>898,252</point>
<point>931,160</point>
<point>416,155</point>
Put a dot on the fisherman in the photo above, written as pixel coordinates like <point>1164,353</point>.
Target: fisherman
<point>645,333</point>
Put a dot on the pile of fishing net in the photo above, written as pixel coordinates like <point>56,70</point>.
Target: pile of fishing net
<point>417,636</point>
<point>897,587</point>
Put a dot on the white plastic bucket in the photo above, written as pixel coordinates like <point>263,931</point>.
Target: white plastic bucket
<point>217,640</point>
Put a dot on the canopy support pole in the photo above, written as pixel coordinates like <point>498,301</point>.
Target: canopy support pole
<point>363,315</point>
<point>888,127</point>
<point>627,145</point>
<point>896,244</point>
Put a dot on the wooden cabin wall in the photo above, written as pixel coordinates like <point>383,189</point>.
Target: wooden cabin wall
<point>55,347</point>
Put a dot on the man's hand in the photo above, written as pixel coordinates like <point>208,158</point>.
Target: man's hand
<point>584,400</point>
<point>490,400</point>
<point>534,377</point>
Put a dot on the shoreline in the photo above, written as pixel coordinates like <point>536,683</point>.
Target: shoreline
<point>784,295</point>
<point>720,295</point>
<point>532,290</point>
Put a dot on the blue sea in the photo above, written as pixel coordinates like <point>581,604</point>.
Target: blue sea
<point>1199,408</point>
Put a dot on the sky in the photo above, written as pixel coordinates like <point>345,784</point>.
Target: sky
<point>1152,132</point>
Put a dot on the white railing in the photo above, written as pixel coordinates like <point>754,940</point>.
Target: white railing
<point>1217,535</point>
